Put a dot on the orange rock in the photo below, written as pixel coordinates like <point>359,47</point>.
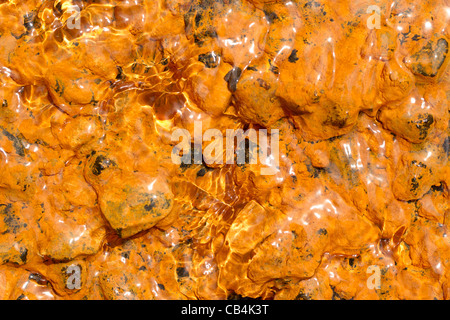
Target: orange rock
<point>93,207</point>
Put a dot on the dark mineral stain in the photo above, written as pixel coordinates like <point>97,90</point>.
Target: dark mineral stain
<point>120,74</point>
<point>271,16</point>
<point>201,172</point>
<point>232,77</point>
<point>182,272</point>
<point>336,295</point>
<point>263,84</point>
<point>423,124</point>
<point>351,262</point>
<point>23,254</point>
<point>274,70</point>
<point>101,163</point>
<point>149,207</point>
<point>211,60</point>
<point>302,296</point>
<point>17,143</point>
<point>38,278</point>
<point>11,221</point>
<point>428,62</point>
<point>31,21</point>
<point>293,57</point>
<point>414,184</point>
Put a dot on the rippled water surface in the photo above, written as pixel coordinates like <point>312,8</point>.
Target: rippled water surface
<point>92,206</point>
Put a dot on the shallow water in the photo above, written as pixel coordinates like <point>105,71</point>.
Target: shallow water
<point>94,206</point>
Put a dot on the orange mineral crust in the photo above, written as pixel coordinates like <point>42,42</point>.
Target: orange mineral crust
<point>93,205</point>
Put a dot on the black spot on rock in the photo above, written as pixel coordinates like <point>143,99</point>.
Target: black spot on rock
<point>232,77</point>
<point>263,84</point>
<point>275,70</point>
<point>38,278</point>
<point>120,74</point>
<point>182,272</point>
<point>351,262</point>
<point>201,172</point>
<point>17,143</point>
<point>271,16</point>
<point>31,21</point>
<point>23,254</point>
<point>414,184</point>
<point>11,221</point>
<point>101,163</point>
<point>211,60</point>
<point>428,61</point>
<point>293,57</point>
<point>149,207</point>
<point>424,123</point>
<point>302,296</point>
